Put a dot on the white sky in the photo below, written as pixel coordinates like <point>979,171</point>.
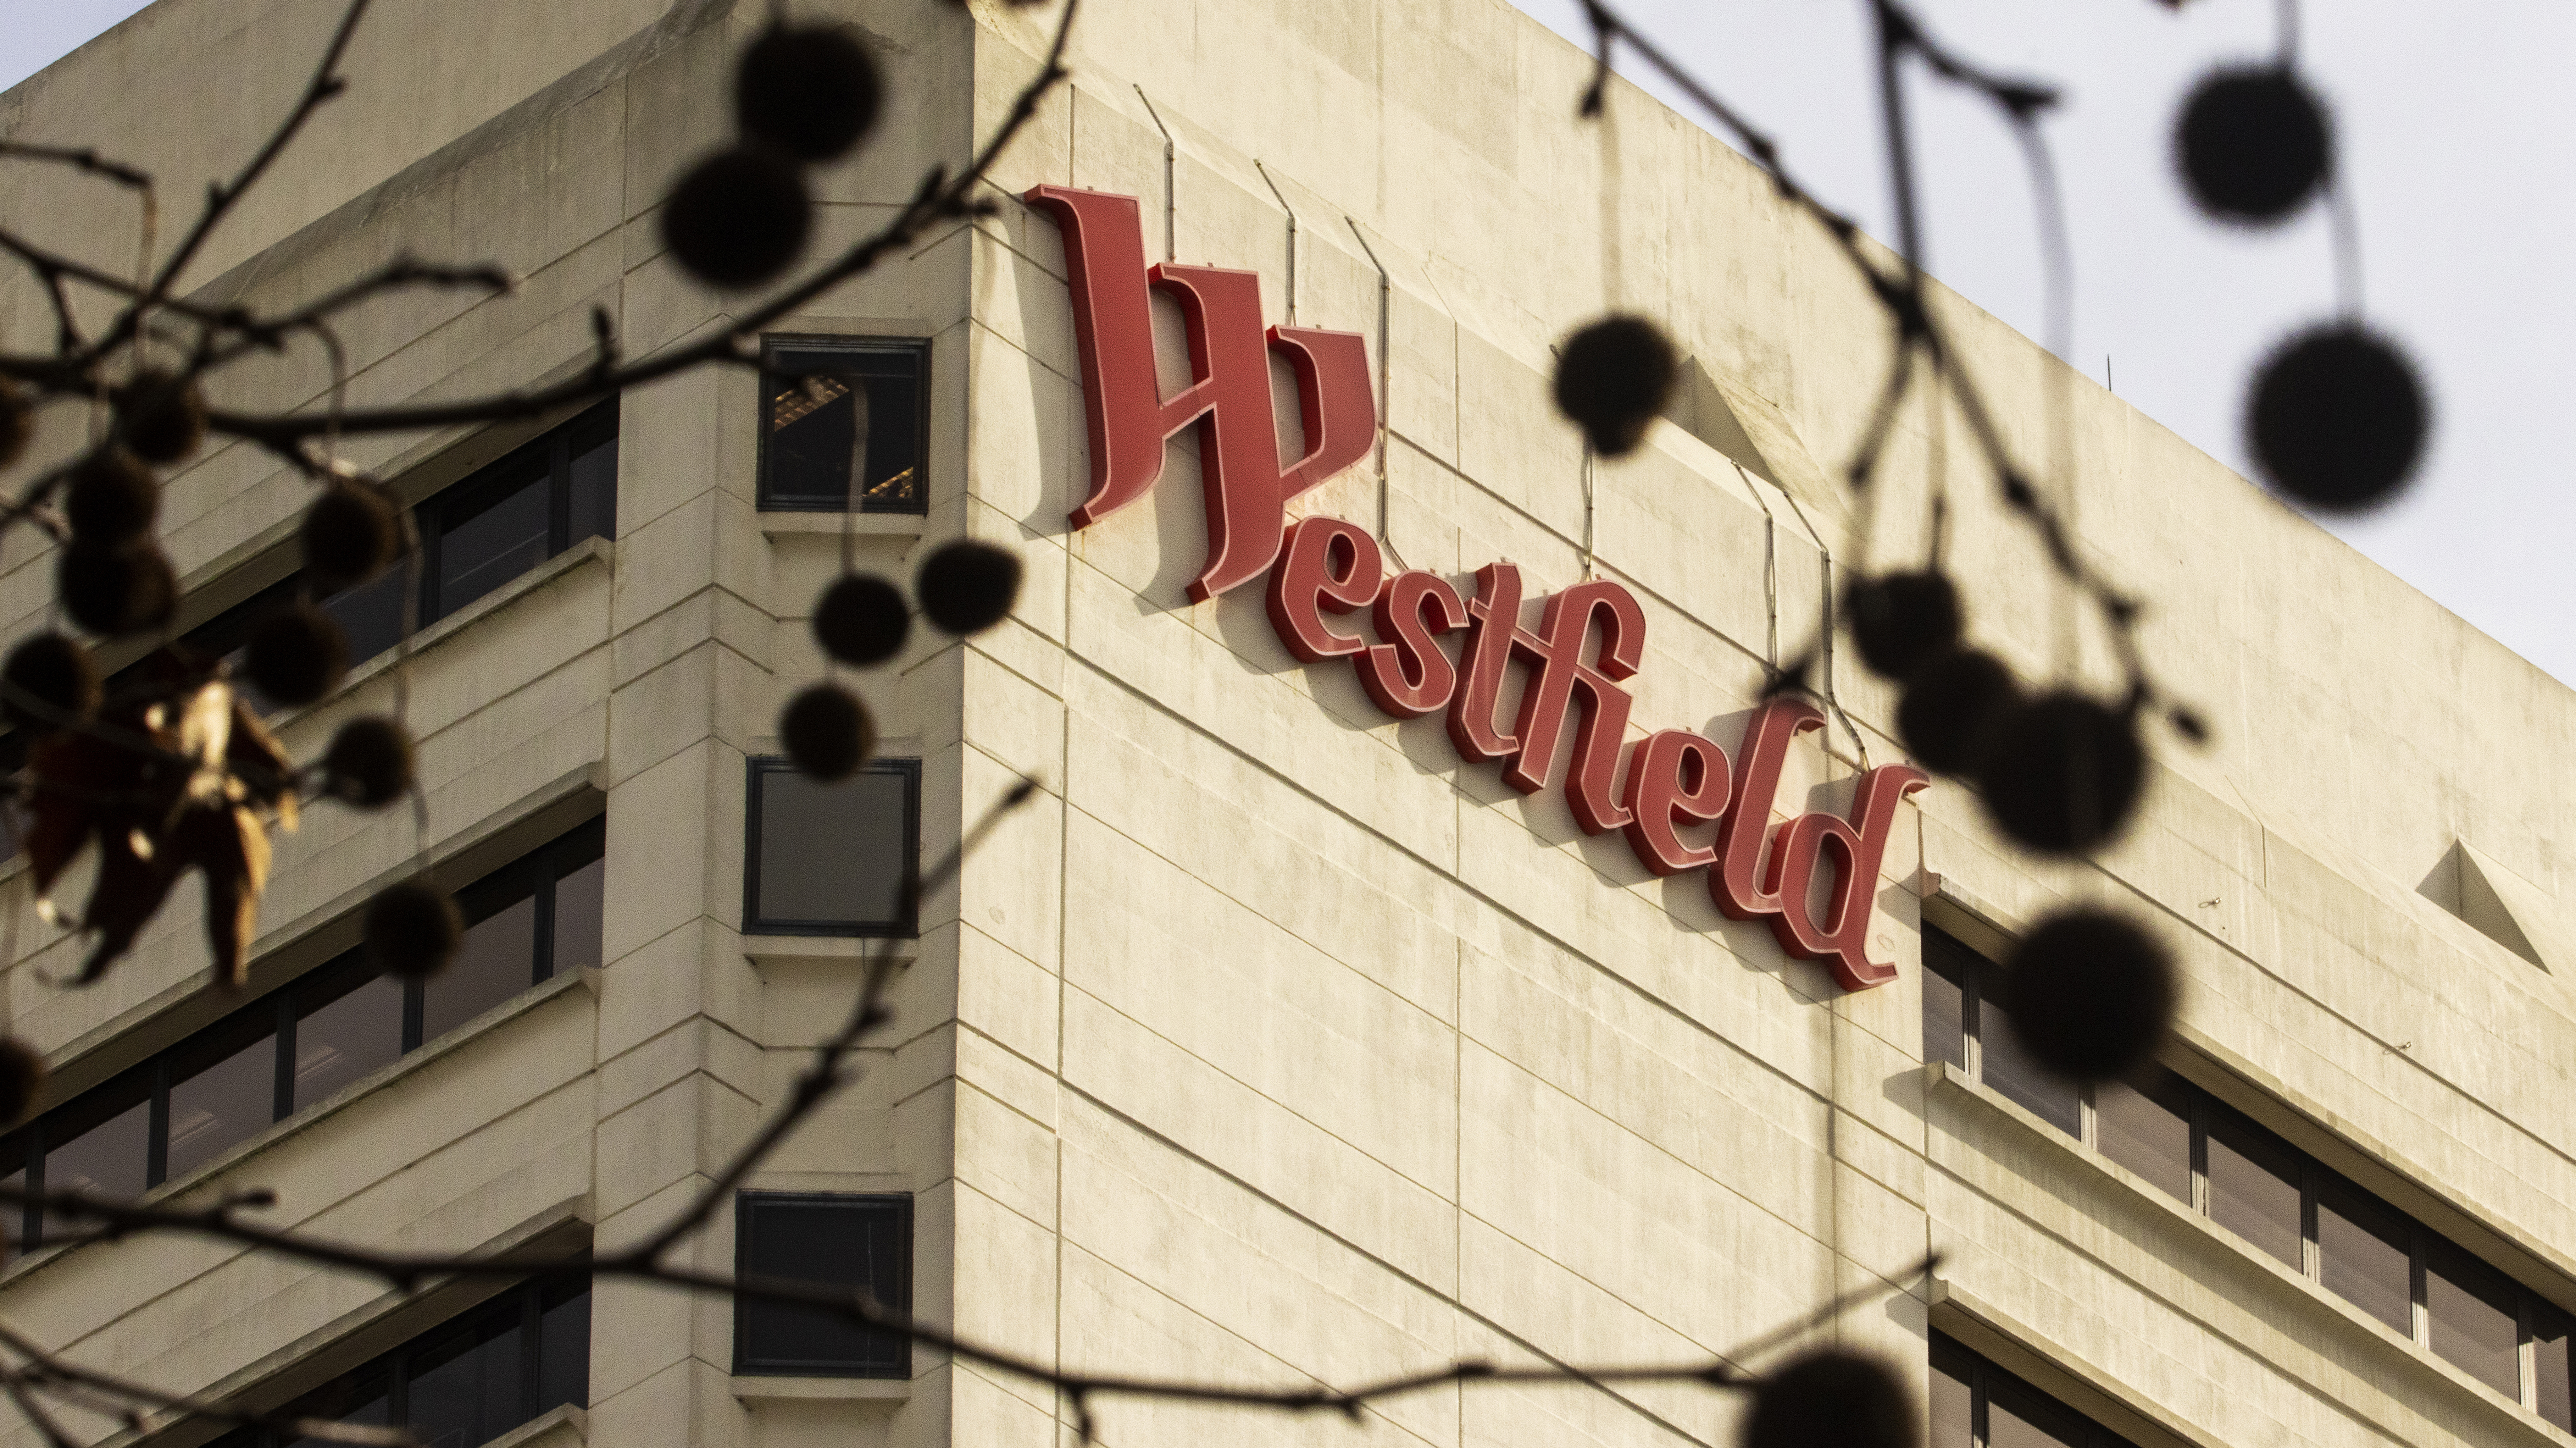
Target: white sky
<point>2442,131</point>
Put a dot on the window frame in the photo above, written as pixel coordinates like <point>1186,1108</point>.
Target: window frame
<point>527,1301</point>
<point>771,344</point>
<point>745,1203</point>
<point>556,444</point>
<point>904,926</point>
<point>2533,1311</point>
<point>1983,1376</point>
<point>278,1014</point>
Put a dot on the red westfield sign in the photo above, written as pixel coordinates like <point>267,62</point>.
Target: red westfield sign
<point>1589,637</point>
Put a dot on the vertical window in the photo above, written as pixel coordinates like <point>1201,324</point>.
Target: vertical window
<point>1945,1000</point>
<point>862,1243</point>
<point>2253,1184</point>
<point>831,859</point>
<point>1978,1405</point>
<point>2363,1255</point>
<point>309,1039</point>
<point>2008,1068</point>
<point>2549,1331</point>
<point>844,423</point>
<point>223,1089</point>
<point>1954,1411</point>
<point>348,1022</point>
<point>2148,1130</point>
<point>2472,1317</point>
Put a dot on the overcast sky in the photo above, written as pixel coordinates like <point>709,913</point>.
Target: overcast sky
<point>2442,135</point>
<point>2444,141</point>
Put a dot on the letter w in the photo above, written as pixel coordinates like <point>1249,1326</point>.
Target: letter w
<point>1104,254</point>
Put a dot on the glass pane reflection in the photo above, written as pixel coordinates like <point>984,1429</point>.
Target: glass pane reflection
<point>497,960</point>
<point>230,1098</point>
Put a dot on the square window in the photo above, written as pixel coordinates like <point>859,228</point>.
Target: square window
<point>842,1241</point>
<point>831,859</point>
<point>844,425</point>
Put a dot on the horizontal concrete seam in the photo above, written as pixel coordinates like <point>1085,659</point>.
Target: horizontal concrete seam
<point>694,1072</point>
<point>978,1088</point>
<point>2412,1356</point>
<point>962,1185</point>
<point>1103,672</point>
<point>1450,1299</point>
<point>1651,1144</point>
<point>1533,928</point>
<point>1448,1197</point>
<point>980,325</point>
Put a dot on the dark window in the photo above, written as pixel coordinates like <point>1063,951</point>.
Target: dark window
<point>2148,1130</point>
<point>2222,1165</point>
<point>1978,1405</point>
<point>856,1242</point>
<point>2549,1331</point>
<point>476,535</point>
<point>2363,1255</point>
<point>2253,1184</point>
<point>844,424</point>
<point>466,1381</point>
<point>2009,1069</point>
<point>223,1089</point>
<point>302,1042</point>
<point>2472,1317</point>
<point>1945,1000</point>
<point>831,859</point>
<point>518,512</point>
<point>348,1022</point>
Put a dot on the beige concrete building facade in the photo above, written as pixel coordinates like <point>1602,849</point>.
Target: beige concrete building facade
<point>1273,1043</point>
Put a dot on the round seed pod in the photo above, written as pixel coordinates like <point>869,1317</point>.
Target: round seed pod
<point>17,422</point>
<point>53,671</point>
<point>1947,714</point>
<point>862,619</point>
<point>827,732</point>
<point>2063,774</point>
<point>1829,1398</point>
<point>1613,379</point>
<point>114,592</point>
<point>966,587</point>
<point>349,535</point>
<point>739,218</point>
<point>22,1077</point>
<point>2253,144</point>
<point>112,498</point>
<point>1902,620</point>
<point>810,91</point>
<point>296,655</point>
<point>161,417</point>
<point>2337,418</point>
<point>413,928</point>
<point>369,763</point>
<point>2091,995</point>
